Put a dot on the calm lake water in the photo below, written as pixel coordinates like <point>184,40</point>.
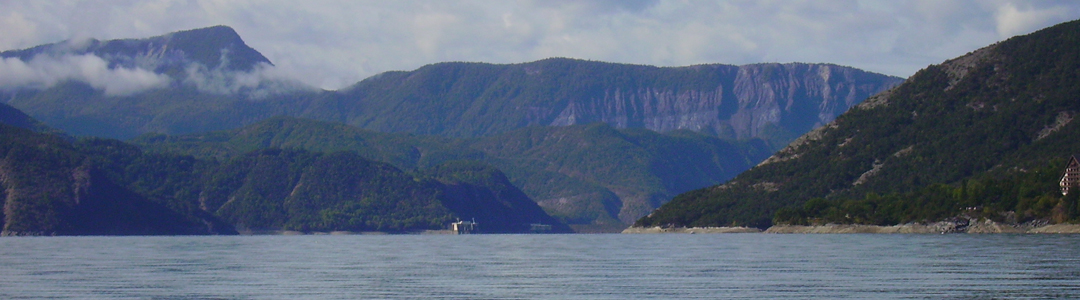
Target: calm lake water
<point>612,266</point>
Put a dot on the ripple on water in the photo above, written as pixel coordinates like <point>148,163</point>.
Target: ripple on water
<point>730,266</point>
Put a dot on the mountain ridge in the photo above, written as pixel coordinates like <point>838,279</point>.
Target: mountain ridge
<point>979,136</point>
<point>717,99</point>
<point>215,47</point>
<point>211,89</point>
<point>553,105</point>
<point>55,186</point>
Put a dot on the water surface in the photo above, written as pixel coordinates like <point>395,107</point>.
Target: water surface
<point>672,266</point>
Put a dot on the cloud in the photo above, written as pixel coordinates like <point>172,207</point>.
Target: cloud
<point>1012,20</point>
<point>44,71</point>
<point>262,81</point>
<point>332,44</point>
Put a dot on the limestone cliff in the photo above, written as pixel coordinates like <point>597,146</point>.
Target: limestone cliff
<point>774,102</point>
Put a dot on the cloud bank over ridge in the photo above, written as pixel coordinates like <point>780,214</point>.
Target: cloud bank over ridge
<point>332,44</point>
<point>44,71</point>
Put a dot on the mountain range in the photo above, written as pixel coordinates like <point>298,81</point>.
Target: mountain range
<point>213,85</point>
<point>983,136</point>
<point>581,174</point>
<point>56,186</point>
<point>595,144</point>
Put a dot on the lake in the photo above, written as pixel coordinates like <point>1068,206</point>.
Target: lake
<point>572,266</point>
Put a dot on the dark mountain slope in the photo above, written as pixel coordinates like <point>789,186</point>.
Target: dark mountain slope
<point>50,185</point>
<point>593,172</point>
<point>985,133</point>
<point>54,187</point>
<point>274,189</point>
<point>14,117</point>
<point>585,174</point>
<point>484,194</point>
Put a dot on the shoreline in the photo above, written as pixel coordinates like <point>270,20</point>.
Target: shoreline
<point>690,230</point>
<point>292,232</point>
<point>978,227</point>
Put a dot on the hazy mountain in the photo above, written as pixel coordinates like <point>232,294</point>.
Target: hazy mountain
<point>53,185</point>
<point>189,81</point>
<point>983,135</point>
<point>14,117</point>
<point>217,47</point>
<point>582,174</point>
<point>207,79</point>
<point>770,101</point>
<point>310,191</point>
<point>537,121</point>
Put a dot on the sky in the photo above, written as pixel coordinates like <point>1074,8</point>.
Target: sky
<point>333,44</point>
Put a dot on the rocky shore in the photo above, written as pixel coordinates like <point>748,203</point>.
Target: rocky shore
<point>954,226</point>
<point>691,230</point>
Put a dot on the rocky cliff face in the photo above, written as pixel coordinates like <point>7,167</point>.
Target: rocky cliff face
<point>774,102</point>
<point>752,101</point>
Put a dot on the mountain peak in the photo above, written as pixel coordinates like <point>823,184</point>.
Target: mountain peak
<point>212,31</point>
<point>216,47</point>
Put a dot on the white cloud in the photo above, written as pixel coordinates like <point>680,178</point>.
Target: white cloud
<point>1012,20</point>
<point>263,80</point>
<point>332,44</point>
<point>45,71</point>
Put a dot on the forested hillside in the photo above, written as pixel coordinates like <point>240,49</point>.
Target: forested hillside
<point>586,174</point>
<point>983,135</point>
<point>52,185</point>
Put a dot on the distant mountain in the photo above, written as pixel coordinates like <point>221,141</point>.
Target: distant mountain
<point>56,186</point>
<point>273,189</point>
<point>218,47</point>
<point>582,174</point>
<point>984,135</point>
<point>482,193</point>
<point>775,102</point>
<point>210,87</point>
<point>579,137</point>
<point>188,81</point>
<point>14,117</point>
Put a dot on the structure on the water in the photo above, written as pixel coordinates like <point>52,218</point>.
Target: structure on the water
<point>465,227</point>
<point>539,228</point>
<point>1070,178</point>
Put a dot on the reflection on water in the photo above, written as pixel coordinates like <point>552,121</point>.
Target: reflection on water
<point>752,266</point>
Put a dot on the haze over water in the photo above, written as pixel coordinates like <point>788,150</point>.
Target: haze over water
<point>718,266</point>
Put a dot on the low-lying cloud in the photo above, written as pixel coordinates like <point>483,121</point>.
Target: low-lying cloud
<point>262,81</point>
<point>45,71</point>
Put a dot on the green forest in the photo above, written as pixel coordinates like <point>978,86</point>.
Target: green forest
<point>582,175</point>
<point>986,139</point>
<point>54,185</point>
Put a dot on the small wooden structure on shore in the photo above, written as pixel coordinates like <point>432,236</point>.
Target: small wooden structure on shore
<point>465,227</point>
